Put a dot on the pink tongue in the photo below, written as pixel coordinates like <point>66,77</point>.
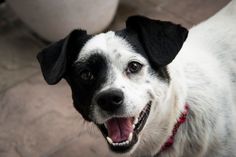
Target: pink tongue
<point>119,129</point>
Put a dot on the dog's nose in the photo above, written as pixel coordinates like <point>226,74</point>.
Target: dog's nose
<point>110,100</point>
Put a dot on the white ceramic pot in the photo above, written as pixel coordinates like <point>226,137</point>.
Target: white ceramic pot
<point>54,19</point>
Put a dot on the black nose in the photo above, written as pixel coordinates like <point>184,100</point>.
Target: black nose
<point>110,100</point>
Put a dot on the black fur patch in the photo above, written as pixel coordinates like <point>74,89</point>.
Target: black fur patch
<point>82,91</point>
<point>58,57</point>
<point>158,41</point>
<point>161,40</point>
<point>132,39</point>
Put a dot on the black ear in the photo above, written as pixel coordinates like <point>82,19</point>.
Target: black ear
<point>55,58</point>
<point>161,40</point>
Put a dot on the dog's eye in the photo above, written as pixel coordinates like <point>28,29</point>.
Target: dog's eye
<point>134,67</point>
<point>86,75</point>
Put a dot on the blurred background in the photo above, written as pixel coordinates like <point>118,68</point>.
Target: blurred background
<point>37,120</point>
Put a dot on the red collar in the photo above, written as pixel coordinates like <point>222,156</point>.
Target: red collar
<point>180,121</point>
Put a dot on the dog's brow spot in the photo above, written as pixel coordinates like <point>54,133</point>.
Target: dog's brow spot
<point>147,81</point>
<point>115,50</point>
<point>123,87</point>
<point>118,55</point>
<point>151,95</point>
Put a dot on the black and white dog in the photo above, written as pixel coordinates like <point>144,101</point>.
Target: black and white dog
<point>146,99</point>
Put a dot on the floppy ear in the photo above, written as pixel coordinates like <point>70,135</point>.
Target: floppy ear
<point>161,40</point>
<point>55,58</point>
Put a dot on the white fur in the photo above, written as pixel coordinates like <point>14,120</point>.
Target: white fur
<point>208,63</point>
<point>203,75</point>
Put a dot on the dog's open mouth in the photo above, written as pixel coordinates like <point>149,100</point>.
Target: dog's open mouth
<point>122,133</point>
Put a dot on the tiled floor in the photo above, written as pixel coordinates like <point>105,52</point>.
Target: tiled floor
<point>37,120</point>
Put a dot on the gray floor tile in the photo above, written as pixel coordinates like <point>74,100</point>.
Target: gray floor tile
<point>18,49</point>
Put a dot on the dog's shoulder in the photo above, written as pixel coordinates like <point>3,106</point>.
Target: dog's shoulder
<point>207,63</point>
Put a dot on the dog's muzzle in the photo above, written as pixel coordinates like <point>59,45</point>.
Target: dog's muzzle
<point>121,133</point>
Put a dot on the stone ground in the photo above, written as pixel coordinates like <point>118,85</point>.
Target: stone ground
<point>37,120</point>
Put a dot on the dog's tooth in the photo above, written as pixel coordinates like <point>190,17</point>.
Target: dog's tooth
<point>130,136</point>
<point>133,126</point>
<point>109,140</point>
<point>124,143</point>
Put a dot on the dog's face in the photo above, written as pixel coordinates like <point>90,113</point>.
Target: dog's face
<point>119,80</point>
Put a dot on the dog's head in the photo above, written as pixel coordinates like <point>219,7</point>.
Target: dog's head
<point>119,80</point>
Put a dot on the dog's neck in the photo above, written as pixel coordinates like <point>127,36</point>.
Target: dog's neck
<point>181,120</point>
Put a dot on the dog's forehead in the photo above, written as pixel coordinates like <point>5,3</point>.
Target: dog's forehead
<point>109,45</point>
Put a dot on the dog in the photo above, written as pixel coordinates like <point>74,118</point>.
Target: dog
<point>154,88</point>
